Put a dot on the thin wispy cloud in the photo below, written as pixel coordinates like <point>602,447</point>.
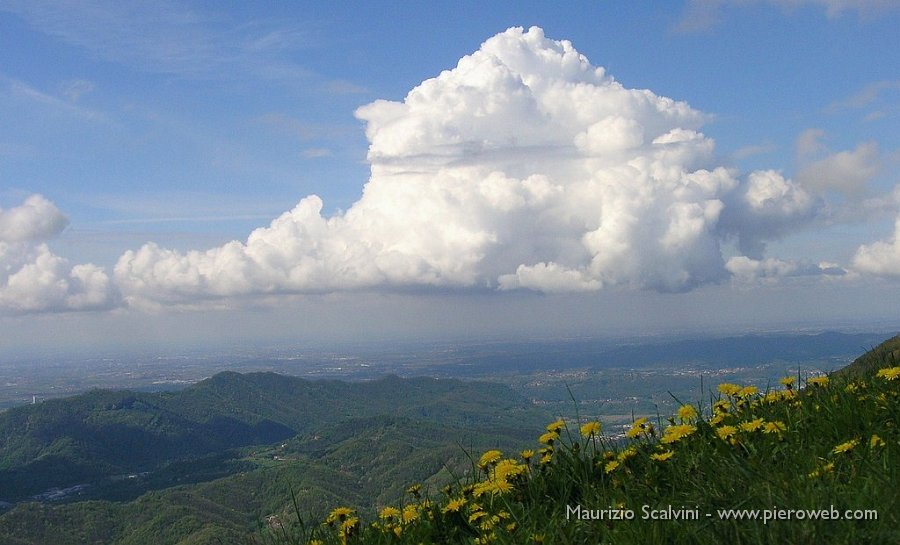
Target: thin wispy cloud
<point>704,15</point>
<point>173,38</point>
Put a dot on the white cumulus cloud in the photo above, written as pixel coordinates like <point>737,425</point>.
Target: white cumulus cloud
<point>525,166</point>
<point>32,278</point>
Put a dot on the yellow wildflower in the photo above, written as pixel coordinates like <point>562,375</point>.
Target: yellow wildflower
<point>817,381</point>
<point>752,425</point>
<point>410,513</point>
<point>527,455</point>
<point>476,515</point>
<point>726,432</point>
<point>626,454</point>
<point>662,456</point>
<point>788,382</point>
<point>716,420</point>
<point>389,512</point>
<point>845,447</point>
<point>453,506</point>
<point>747,391</point>
<point>729,389</point>
<point>827,468</point>
<point>876,441</point>
<point>349,525</point>
<point>676,433</point>
<point>889,373</point>
<point>721,407</point>
<point>508,468</point>
<point>501,486</point>
<point>590,429</point>
<point>556,426</point>
<point>610,466</point>
<point>639,427</point>
<point>776,427</point>
<point>549,437</point>
<point>339,514</point>
<point>489,457</point>
<point>687,413</point>
<point>414,490</point>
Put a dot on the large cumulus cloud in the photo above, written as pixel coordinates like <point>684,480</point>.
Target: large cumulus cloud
<point>523,167</point>
<point>32,278</point>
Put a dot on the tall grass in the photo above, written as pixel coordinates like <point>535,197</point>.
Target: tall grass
<point>808,448</point>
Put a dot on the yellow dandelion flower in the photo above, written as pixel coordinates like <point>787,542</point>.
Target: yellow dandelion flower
<point>537,538</point>
<point>508,468</point>
<point>349,525</point>
<point>501,486</point>
<point>677,432</point>
<point>556,426</point>
<point>453,506</point>
<point>339,514</point>
<point>752,425</point>
<point>410,513</point>
<point>549,437</point>
<point>889,373</point>
<point>610,466</point>
<point>776,427</point>
<point>489,457</point>
<point>527,455</point>
<point>721,406</point>
<point>389,512</point>
<point>414,490</point>
<point>845,447</point>
<point>626,454</point>
<point>851,388</point>
<point>476,515</point>
<point>788,382</point>
<point>687,413</point>
<point>818,472</point>
<point>729,389</point>
<point>590,429</point>
<point>747,391</point>
<point>876,441</point>
<point>717,419</point>
<point>546,458</point>
<point>483,488</point>
<point>726,432</point>
<point>817,381</point>
<point>639,427</point>
<point>662,456</point>
<point>512,527</point>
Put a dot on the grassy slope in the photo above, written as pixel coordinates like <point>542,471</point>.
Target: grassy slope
<point>835,443</point>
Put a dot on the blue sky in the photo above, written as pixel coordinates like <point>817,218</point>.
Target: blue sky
<point>139,140</point>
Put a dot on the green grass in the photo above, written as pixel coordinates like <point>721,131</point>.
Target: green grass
<point>832,444</point>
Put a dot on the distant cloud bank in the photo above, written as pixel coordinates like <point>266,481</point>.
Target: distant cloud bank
<point>524,167</point>
<point>32,278</point>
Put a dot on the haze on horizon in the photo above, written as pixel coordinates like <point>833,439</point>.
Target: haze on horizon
<point>179,174</point>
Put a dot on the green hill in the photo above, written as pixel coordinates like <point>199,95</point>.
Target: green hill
<point>212,461</point>
<point>104,435</point>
